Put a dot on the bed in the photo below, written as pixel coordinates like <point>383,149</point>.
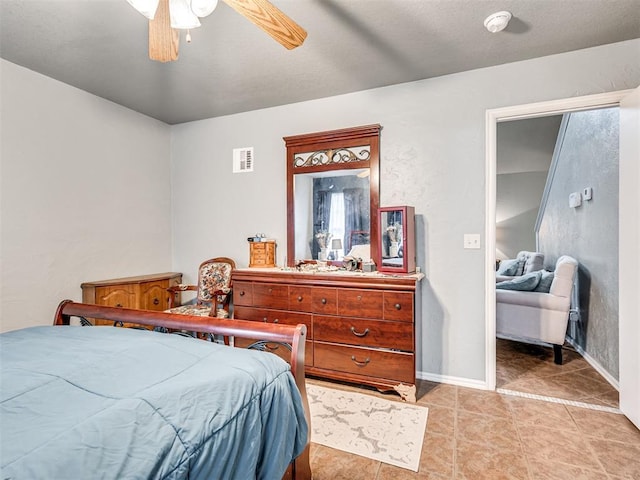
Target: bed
<point>103,402</point>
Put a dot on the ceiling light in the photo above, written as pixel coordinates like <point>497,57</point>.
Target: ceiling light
<point>497,22</point>
<point>183,13</point>
<point>145,7</point>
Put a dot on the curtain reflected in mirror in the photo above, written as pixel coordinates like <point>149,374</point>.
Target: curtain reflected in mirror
<point>332,213</point>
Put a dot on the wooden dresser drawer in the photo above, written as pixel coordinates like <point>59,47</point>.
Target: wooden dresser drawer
<point>398,366</point>
<point>363,332</point>
<point>300,299</point>
<point>280,350</point>
<point>324,300</point>
<point>398,306</point>
<point>242,293</point>
<point>274,316</point>
<point>359,303</point>
<point>271,295</point>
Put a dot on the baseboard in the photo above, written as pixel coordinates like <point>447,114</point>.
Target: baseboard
<point>459,381</point>
<point>594,363</point>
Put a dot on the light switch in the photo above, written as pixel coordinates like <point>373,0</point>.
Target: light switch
<point>471,240</point>
<point>575,199</point>
<point>587,193</point>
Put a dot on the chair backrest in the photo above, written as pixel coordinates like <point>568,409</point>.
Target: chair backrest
<point>533,261</point>
<point>214,275</point>
<point>563,275</point>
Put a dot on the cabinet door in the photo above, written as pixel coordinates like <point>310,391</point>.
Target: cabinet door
<point>154,295</point>
<point>116,296</point>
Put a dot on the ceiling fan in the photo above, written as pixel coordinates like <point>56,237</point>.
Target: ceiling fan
<point>166,17</point>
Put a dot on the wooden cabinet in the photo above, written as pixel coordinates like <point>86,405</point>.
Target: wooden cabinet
<point>361,327</point>
<point>144,292</point>
<point>262,254</point>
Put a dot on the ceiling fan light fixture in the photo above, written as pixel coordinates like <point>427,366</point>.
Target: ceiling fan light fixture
<point>497,22</point>
<point>181,15</point>
<point>145,7</point>
<point>203,8</point>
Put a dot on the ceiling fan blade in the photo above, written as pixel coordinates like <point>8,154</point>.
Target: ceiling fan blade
<point>163,40</point>
<point>272,20</point>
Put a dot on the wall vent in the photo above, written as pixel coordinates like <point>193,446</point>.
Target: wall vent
<point>243,160</point>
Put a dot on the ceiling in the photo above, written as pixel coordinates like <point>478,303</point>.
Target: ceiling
<point>232,66</point>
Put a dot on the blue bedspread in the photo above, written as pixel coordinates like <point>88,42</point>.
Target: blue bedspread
<point>103,402</point>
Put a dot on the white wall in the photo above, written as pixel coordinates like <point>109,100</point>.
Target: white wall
<point>432,157</point>
<point>85,194</point>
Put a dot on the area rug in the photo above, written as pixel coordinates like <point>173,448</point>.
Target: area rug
<point>384,430</point>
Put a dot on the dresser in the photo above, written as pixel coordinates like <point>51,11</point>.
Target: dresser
<point>361,326</point>
<point>144,292</point>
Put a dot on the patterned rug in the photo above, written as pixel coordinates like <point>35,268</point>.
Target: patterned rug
<point>384,430</point>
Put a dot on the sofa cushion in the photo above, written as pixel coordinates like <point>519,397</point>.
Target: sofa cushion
<point>526,282</point>
<point>544,285</point>
<point>508,266</point>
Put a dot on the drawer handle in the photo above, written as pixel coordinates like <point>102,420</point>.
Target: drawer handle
<point>398,306</point>
<point>299,298</point>
<point>360,364</point>
<point>264,319</point>
<point>359,297</point>
<point>156,301</point>
<point>271,290</point>
<point>119,305</point>
<point>275,320</point>
<point>358,334</point>
<point>324,301</point>
<point>242,293</point>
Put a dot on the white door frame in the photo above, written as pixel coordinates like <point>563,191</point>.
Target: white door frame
<point>493,117</point>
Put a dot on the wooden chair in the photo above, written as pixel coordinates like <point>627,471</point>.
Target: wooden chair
<point>213,291</point>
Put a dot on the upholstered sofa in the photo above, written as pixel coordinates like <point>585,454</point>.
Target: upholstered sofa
<point>525,262</point>
<point>536,315</point>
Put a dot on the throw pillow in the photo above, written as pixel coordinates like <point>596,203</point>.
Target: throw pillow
<point>508,267</point>
<point>544,285</point>
<point>525,283</point>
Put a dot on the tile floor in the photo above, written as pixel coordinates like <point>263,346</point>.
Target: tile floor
<point>475,434</point>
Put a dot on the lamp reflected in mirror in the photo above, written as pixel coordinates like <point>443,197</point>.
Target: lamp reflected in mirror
<point>336,246</point>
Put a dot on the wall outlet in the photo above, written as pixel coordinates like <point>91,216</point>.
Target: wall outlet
<point>587,192</point>
<point>471,240</point>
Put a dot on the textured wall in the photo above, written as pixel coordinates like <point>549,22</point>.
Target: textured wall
<point>85,192</point>
<point>589,158</point>
<point>524,152</point>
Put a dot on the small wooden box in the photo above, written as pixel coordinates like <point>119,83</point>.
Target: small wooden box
<point>262,254</point>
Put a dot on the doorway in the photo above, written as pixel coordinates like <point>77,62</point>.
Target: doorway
<point>539,162</point>
<point>628,213</point>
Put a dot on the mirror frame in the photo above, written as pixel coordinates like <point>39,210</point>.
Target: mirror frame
<point>324,142</point>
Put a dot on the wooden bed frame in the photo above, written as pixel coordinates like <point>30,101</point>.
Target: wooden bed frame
<point>294,336</point>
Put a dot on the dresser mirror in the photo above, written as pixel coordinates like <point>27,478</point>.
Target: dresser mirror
<point>332,195</point>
